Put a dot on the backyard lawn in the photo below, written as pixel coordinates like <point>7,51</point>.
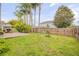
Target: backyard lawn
<point>37,44</point>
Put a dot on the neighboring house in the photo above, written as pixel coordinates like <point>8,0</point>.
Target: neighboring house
<point>47,24</point>
<point>1,23</point>
<point>6,27</point>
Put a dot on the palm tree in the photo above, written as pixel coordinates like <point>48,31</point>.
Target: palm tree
<point>22,10</point>
<point>39,14</point>
<point>30,14</point>
<point>26,9</point>
<point>18,14</point>
<point>34,5</point>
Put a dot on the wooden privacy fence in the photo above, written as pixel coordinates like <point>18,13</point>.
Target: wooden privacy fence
<point>59,31</point>
<point>76,32</point>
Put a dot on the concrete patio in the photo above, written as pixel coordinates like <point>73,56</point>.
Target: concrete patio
<point>10,35</point>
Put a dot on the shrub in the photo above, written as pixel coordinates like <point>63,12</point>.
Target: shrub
<point>1,32</point>
<point>3,50</point>
<point>47,32</point>
<point>21,27</point>
<point>13,23</point>
<point>3,47</point>
<point>27,28</point>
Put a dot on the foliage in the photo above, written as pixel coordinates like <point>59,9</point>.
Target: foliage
<point>3,48</point>
<point>25,9</point>
<point>19,14</point>
<point>13,22</point>
<point>23,28</point>
<point>64,17</point>
<point>72,26</point>
<point>47,32</point>
<point>1,32</point>
<point>20,26</point>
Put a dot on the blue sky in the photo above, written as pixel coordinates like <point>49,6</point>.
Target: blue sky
<point>48,11</point>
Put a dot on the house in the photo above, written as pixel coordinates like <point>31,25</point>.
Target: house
<point>1,23</point>
<point>6,27</point>
<point>47,24</point>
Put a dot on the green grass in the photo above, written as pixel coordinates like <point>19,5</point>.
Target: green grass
<point>37,44</point>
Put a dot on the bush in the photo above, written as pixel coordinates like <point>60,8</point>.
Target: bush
<point>21,27</point>
<point>27,28</point>
<point>3,47</point>
<point>3,50</point>
<point>1,32</point>
<point>47,32</point>
<point>13,23</point>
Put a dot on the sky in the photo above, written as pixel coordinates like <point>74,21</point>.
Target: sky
<point>48,11</point>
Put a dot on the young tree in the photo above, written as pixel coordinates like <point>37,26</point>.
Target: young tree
<point>64,17</point>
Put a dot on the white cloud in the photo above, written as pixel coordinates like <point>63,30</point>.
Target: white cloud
<point>75,10</point>
<point>76,16</point>
<point>76,13</point>
<point>6,20</point>
<point>52,4</point>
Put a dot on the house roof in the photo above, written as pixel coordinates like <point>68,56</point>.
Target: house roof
<point>2,22</point>
<point>6,25</point>
<point>45,22</point>
<point>50,24</point>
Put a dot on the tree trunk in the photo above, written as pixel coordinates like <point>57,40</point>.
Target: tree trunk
<point>34,16</point>
<point>39,14</point>
<point>27,20</point>
<point>31,20</point>
<point>39,17</point>
<point>24,19</point>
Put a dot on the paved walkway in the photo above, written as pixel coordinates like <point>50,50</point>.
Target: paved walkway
<point>10,35</point>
